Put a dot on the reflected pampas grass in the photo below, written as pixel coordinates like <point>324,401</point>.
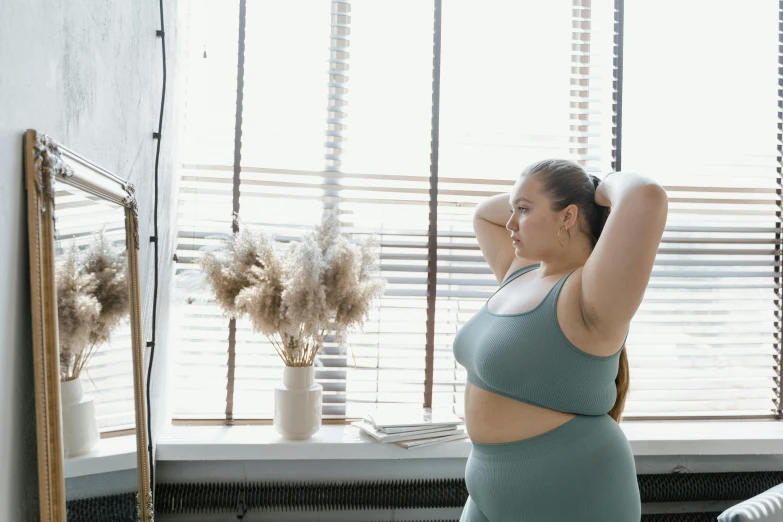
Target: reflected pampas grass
<point>319,285</point>
<point>92,299</point>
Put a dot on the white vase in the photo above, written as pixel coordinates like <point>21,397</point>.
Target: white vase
<point>298,400</point>
<point>80,425</point>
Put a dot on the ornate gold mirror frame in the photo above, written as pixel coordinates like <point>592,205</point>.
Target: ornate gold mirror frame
<point>45,160</point>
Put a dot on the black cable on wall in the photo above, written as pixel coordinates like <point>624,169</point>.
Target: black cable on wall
<point>154,239</point>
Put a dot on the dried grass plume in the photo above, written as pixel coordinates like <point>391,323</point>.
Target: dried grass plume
<point>92,299</point>
<point>321,284</point>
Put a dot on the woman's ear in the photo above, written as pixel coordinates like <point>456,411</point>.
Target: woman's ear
<point>570,215</point>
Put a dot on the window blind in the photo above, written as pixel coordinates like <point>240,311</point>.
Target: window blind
<point>700,118</point>
<point>340,109</point>
<point>108,374</point>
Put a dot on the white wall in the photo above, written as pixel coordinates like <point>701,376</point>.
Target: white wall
<point>89,74</point>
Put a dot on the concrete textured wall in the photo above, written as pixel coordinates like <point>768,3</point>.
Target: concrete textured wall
<point>90,75</point>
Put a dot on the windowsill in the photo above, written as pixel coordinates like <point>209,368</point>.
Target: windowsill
<point>345,442</point>
<point>110,454</point>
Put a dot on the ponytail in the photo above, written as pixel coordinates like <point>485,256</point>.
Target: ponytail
<point>597,218</point>
<point>597,222</point>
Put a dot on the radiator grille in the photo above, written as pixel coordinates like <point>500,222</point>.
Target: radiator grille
<point>239,498</point>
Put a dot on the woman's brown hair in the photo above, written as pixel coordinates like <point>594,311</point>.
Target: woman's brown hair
<point>567,183</point>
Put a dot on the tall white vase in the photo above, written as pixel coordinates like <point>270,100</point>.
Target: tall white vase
<point>80,425</point>
<point>298,400</point>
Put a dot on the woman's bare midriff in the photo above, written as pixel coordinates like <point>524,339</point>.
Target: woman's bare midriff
<point>491,418</point>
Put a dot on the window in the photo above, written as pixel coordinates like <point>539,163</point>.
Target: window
<point>338,101</point>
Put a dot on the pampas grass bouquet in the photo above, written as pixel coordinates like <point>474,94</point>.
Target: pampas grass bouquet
<point>92,299</point>
<point>323,282</point>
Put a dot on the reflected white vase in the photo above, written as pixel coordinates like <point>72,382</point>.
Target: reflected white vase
<point>298,400</point>
<point>80,424</point>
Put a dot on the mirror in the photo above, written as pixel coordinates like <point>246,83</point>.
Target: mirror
<point>90,403</point>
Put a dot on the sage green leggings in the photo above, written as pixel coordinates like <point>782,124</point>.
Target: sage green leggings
<point>582,471</point>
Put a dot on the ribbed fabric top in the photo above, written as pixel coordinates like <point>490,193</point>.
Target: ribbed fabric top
<point>527,357</point>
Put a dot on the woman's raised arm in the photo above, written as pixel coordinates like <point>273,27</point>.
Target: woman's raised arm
<point>616,274</point>
<point>489,224</point>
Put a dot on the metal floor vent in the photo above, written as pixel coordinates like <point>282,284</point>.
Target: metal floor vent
<point>682,517</point>
<point>109,508</point>
<point>240,498</point>
<point>679,517</point>
<point>690,487</point>
<point>236,499</point>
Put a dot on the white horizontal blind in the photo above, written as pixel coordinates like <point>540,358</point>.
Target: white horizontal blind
<point>534,81</point>
<point>108,375</point>
<point>700,109</point>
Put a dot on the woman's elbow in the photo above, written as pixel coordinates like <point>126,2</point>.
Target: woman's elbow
<point>655,201</point>
<point>656,196</point>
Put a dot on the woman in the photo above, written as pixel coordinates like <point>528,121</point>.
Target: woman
<point>547,372</point>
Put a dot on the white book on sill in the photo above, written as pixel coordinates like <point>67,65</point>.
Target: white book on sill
<point>416,429</point>
<point>378,435</point>
<point>397,417</point>
<point>428,442</point>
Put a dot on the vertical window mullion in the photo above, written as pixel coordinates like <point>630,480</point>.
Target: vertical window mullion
<point>232,324</point>
<point>617,95</point>
<point>778,290</point>
<point>432,258</point>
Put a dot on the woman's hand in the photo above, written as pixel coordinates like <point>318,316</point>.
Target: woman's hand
<point>601,195</point>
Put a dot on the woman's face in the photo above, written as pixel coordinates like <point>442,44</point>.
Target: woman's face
<point>532,221</point>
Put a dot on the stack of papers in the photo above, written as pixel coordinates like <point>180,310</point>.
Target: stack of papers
<point>411,428</point>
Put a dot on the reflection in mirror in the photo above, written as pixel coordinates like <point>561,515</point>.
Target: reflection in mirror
<point>96,358</point>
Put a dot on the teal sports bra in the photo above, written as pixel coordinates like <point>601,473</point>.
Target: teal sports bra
<point>527,357</point>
